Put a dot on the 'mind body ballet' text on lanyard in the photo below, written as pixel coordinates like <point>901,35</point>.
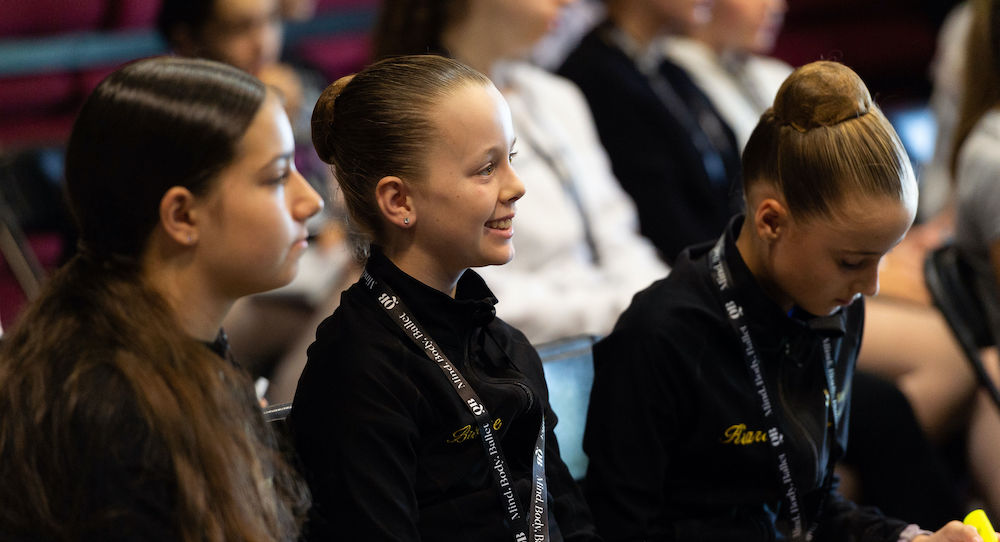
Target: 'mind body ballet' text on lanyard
<point>723,279</point>
<point>534,526</point>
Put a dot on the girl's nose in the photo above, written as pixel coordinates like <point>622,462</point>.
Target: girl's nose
<point>868,285</point>
<point>305,201</point>
<point>513,188</point>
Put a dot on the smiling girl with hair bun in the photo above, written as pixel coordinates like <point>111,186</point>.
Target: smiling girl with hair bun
<point>420,415</point>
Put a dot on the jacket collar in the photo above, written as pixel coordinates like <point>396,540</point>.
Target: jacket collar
<point>647,59</point>
<point>448,321</point>
<point>220,347</point>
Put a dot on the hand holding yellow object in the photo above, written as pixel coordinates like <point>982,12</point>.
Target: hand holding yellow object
<point>977,518</point>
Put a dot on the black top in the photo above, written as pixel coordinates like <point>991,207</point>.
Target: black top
<point>652,148</point>
<point>387,445</point>
<point>676,435</point>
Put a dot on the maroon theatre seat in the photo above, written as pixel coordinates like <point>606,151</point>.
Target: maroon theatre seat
<point>889,43</point>
<point>24,18</point>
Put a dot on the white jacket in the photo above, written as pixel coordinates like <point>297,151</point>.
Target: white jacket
<point>554,288</point>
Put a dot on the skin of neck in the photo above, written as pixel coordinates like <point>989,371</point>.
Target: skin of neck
<point>753,246</point>
<point>172,271</point>
<point>636,21</point>
<point>420,266</point>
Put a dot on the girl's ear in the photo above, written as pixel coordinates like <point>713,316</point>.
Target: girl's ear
<point>176,216</point>
<point>771,219</point>
<point>395,201</point>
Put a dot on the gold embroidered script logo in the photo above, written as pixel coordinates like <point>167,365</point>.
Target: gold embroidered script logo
<point>739,435</point>
<point>468,432</point>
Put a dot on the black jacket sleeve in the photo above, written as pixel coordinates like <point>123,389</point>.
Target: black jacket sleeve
<point>844,520</point>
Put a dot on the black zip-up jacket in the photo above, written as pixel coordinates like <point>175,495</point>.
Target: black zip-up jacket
<point>388,447</point>
<point>676,436</point>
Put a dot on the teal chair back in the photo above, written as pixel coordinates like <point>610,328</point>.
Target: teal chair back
<point>569,374</point>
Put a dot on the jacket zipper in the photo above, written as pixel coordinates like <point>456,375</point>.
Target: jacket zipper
<point>790,416</point>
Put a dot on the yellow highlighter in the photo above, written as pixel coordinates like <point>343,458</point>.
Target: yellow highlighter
<point>977,518</point>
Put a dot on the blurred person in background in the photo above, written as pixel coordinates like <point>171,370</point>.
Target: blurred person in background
<point>669,147</point>
<point>726,58</point>
<point>976,170</point>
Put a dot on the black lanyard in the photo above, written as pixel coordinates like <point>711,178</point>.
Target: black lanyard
<point>533,527</point>
<point>723,279</point>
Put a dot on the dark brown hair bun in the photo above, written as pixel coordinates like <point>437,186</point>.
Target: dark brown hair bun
<point>822,93</point>
<point>322,118</point>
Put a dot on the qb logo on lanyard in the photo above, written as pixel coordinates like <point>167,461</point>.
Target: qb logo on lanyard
<point>476,408</point>
<point>388,301</point>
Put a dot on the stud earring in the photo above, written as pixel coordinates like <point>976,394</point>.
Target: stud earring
<point>406,220</point>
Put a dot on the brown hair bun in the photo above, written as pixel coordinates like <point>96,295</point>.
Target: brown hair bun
<point>822,93</point>
<point>825,139</point>
<point>322,118</point>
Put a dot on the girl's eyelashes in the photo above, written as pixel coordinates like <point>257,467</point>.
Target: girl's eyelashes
<point>488,170</point>
<point>284,166</point>
<point>491,168</point>
<point>852,265</point>
<point>282,178</point>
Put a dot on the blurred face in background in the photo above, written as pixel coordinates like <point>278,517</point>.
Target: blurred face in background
<point>244,33</point>
<point>517,24</point>
<point>679,16</point>
<point>749,26</point>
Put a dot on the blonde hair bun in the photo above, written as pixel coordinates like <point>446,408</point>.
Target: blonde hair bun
<point>821,93</point>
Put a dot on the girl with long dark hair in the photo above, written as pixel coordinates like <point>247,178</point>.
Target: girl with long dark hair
<point>122,416</point>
